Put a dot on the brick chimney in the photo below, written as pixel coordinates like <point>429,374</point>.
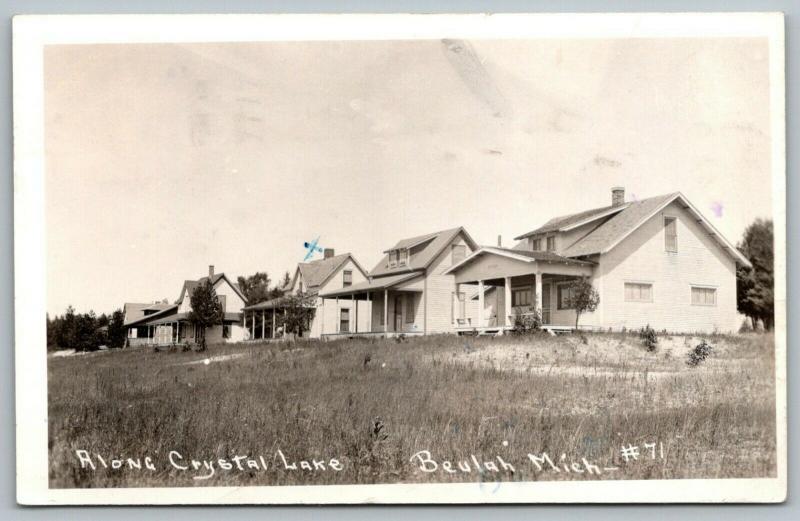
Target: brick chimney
<point>617,196</point>
<point>210,270</point>
<point>327,253</point>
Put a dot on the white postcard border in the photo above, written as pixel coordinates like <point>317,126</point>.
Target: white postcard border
<point>32,33</point>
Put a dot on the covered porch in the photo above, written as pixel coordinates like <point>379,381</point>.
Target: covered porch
<point>265,320</point>
<point>172,329</point>
<point>395,305</point>
<point>508,284</point>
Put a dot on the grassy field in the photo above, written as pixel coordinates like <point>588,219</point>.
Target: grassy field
<point>371,405</point>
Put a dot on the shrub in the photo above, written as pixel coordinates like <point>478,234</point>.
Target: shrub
<point>700,352</point>
<point>649,338</point>
<point>526,323</point>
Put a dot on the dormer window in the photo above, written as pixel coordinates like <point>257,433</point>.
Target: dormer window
<point>551,243</point>
<point>536,244</point>
<point>403,258</point>
<point>398,258</point>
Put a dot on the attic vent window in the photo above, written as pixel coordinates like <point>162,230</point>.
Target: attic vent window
<point>536,244</point>
<point>403,257</point>
<point>670,234</point>
<point>393,258</point>
<point>551,244</point>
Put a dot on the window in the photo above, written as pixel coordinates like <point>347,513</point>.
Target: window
<point>521,297</point>
<point>670,234</point>
<point>459,303</point>
<point>344,320</point>
<point>551,244</point>
<point>393,258</point>
<point>459,253</point>
<point>347,278</point>
<point>536,244</point>
<point>638,292</point>
<point>402,257</point>
<point>564,294</point>
<point>409,309</point>
<point>226,331</point>
<point>704,296</point>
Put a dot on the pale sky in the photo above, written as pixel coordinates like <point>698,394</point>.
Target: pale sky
<point>163,159</point>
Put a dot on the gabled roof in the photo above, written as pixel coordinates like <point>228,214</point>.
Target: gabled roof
<point>525,256</point>
<point>636,213</point>
<point>566,222</point>
<point>155,316</point>
<point>380,283</point>
<point>190,285</point>
<point>316,273</point>
<point>133,311</point>
<point>432,245</point>
<point>413,241</point>
<point>181,317</point>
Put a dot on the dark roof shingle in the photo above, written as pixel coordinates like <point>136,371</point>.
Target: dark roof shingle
<point>605,235</point>
<point>556,223</point>
<point>433,244</point>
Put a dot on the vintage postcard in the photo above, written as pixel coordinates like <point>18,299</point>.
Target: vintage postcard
<point>400,258</point>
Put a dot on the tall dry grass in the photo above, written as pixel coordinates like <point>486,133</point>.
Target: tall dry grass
<point>452,396</point>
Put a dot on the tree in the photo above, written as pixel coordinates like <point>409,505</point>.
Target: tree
<point>755,285</point>
<point>279,290</point>
<point>582,298</point>
<point>65,335</point>
<point>206,310</point>
<point>299,312</point>
<point>116,329</point>
<point>87,335</point>
<point>255,287</point>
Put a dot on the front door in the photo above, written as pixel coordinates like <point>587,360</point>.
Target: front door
<point>398,313</point>
<point>545,303</point>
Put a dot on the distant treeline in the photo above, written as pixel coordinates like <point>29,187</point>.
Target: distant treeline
<point>85,331</point>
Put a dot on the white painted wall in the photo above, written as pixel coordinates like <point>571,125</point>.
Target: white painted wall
<point>642,257</point>
<point>327,316</point>
<point>440,288</point>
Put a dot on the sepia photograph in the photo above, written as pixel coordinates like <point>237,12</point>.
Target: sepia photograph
<point>346,259</point>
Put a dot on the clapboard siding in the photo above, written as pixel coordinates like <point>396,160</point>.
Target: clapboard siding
<point>641,257</point>
<point>440,287</point>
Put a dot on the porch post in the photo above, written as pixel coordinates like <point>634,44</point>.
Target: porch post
<point>337,322</point>
<point>507,305</point>
<point>480,303</point>
<point>539,294</point>
<point>178,333</point>
<point>263,319</point>
<point>322,317</point>
<point>369,316</point>
<point>385,310</point>
<point>273,322</point>
<point>355,305</point>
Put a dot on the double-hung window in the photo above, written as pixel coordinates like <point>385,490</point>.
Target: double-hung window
<point>638,292</point>
<point>521,297</point>
<point>704,296</point>
<point>344,320</point>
